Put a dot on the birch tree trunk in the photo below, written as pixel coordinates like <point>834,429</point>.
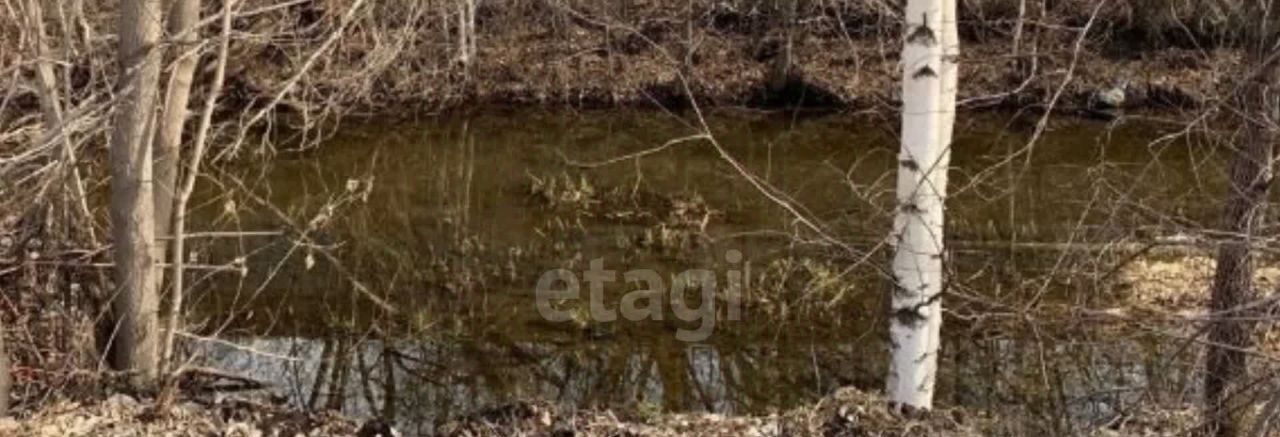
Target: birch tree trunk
<point>471,29</point>
<point>1230,331</point>
<point>928,113</point>
<point>134,342</point>
<point>167,146</point>
<point>950,86</point>
<point>466,33</point>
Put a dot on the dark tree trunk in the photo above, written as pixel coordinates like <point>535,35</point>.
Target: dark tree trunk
<point>780,68</point>
<point>1229,333</point>
<point>5,380</point>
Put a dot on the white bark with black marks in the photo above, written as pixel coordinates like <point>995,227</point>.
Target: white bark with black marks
<point>928,114</point>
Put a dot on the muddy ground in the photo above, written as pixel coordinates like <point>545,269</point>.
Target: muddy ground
<point>400,58</point>
<point>591,61</point>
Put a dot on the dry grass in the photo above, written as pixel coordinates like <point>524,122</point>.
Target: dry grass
<point>121,416</point>
<point>403,52</point>
<point>1180,284</point>
<point>399,54</point>
<point>847,412</point>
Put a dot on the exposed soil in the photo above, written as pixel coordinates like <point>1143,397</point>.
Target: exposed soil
<point>852,74</point>
<point>527,65</point>
<point>401,59</point>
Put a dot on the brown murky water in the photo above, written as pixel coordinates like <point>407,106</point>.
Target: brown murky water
<point>452,220</point>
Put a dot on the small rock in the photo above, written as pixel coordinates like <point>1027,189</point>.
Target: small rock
<point>120,402</point>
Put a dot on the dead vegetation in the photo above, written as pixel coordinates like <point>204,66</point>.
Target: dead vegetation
<point>122,415</point>
<point>1177,283</point>
<point>554,52</point>
<point>315,61</point>
<point>400,54</point>
<point>847,412</point>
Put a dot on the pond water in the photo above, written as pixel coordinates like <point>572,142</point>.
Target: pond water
<point>451,221</point>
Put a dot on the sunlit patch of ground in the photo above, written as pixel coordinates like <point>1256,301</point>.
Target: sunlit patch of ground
<point>1179,287</point>
<point>1181,284</point>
